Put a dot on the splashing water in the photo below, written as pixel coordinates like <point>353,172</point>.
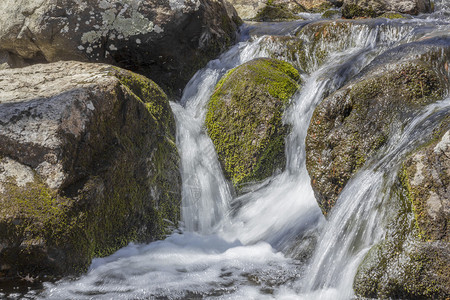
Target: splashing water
<point>272,242</point>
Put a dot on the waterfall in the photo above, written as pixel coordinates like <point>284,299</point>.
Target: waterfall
<point>272,242</point>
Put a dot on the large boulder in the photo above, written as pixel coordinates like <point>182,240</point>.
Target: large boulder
<point>244,118</point>
<point>374,8</point>
<point>88,163</point>
<point>349,126</point>
<point>413,261</point>
<point>164,40</point>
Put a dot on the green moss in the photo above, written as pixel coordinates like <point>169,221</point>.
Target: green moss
<point>352,11</point>
<point>400,266</point>
<point>149,93</point>
<point>330,14</point>
<point>392,16</point>
<point>275,12</point>
<point>244,118</point>
<point>33,216</point>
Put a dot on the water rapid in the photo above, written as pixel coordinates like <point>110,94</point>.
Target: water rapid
<point>272,242</point>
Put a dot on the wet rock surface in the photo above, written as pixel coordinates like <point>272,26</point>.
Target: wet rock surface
<point>88,163</point>
<point>413,261</point>
<point>349,126</point>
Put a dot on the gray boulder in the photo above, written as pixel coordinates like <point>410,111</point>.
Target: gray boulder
<point>275,10</point>
<point>164,40</point>
<point>88,163</point>
<point>374,8</point>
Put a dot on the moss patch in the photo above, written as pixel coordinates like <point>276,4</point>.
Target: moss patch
<point>401,266</point>
<point>244,118</point>
<point>352,11</point>
<point>275,12</point>
<point>392,16</point>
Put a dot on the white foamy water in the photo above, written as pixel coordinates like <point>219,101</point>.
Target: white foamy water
<point>273,242</point>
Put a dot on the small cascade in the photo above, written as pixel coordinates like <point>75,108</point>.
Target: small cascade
<point>272,242</point>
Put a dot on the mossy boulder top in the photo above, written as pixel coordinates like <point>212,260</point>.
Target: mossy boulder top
<point>244,118</point>
<point>88,164</point>
<point>413,260</point>
<point>349,126</point>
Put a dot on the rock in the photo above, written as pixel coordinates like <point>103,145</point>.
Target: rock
<point>374,8</point>
<point>88,163</point>
<point>248,9</point>
<point>349,126</point>
<point>167,41</point>
<point>275,13</point>
<point>413,261</point>
<point>244,119</point>
<point>276,10</point>
<point>426,179</point>
<point>331,14</point>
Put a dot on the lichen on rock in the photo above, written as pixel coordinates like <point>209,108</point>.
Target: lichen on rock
<point>244,118</point>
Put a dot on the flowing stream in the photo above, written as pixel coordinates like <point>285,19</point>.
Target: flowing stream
<point>272,242</point>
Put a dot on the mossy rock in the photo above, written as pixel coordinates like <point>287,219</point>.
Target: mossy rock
<point>106,174</point>
<point>352,11</point>
<point>331,13</point>
<point>413,261</point>
<point>392,16</point>
<point>349,127</point>
<point>244,118</point>
<point>426,181</point>
<point>275,12</point>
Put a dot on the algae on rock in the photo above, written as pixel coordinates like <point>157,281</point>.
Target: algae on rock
<point>244,118</point>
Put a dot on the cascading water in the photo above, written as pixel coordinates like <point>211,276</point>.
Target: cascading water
<point>259,245</point>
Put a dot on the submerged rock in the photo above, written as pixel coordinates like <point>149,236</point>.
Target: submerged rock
<point>413,261</point>
<point>88,164</point>
<point>244,118</point>
<point>167,41</point>
<point>348,127</point>
<point>374,8</point>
